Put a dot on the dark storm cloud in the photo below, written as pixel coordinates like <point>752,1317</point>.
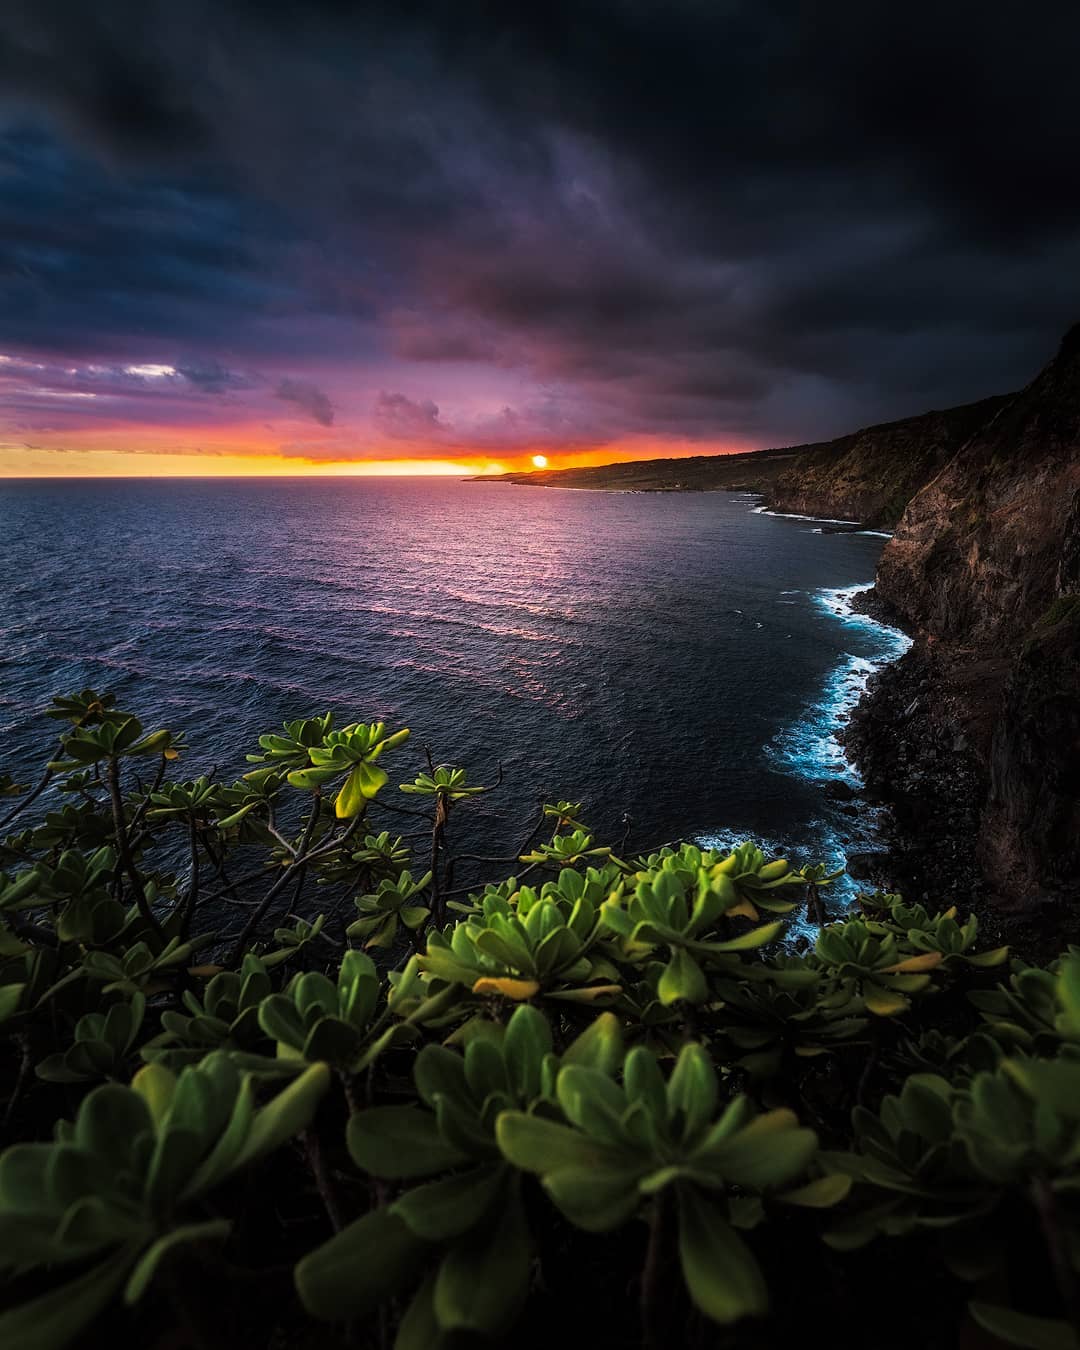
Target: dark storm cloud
<point>403,418</point>
<point>212,377</point>
<point>309,398</point>
<point>752,219</point>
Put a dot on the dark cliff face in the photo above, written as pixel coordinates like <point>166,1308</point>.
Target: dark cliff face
<point>978,555</point>
<point>986,562</point>
<point>871,475</point>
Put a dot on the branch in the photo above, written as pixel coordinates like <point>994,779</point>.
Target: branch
<point>260,912</point>
<point>24,802</point>
<point>193,887</point>
<point>124,847</point>
<point>137,818</point>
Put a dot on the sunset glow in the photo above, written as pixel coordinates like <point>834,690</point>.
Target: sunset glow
<point>151,418</point>
<point>288,272</point>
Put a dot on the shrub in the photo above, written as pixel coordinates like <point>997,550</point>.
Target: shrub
<point>445,1111</point>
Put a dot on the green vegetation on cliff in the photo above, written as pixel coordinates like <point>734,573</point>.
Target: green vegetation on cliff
<point>271,1081</point>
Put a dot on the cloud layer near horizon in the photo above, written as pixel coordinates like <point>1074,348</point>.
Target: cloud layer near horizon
<point>476,232</point>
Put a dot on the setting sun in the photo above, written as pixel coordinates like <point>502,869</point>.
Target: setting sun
<point>540,461</point>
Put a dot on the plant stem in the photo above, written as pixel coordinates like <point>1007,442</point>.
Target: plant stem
<point>323,1181</point>
<point>305,843</point>
<point>26,1061</point>
<point>438,908</point>
<point>123,846</point>
<point>24,802</point>
<point>193,885</point>
<point>288,874</point>
<point>652,1331</point>
<point>1057,1248</point>
<point>140,812</point>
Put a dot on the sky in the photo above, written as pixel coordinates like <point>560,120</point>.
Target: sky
<point>327,237</point>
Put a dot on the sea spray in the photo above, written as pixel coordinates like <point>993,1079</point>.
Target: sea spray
<point>811,747</point>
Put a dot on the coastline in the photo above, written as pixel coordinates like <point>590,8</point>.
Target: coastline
<point>855,819</point>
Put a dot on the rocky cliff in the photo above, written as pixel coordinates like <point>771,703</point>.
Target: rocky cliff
<point>868,475</point>
<point>984,568</point>
<point>872,474</point>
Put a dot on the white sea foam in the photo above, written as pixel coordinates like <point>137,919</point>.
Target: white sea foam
<point>792,515</point>
<point>811,747</point>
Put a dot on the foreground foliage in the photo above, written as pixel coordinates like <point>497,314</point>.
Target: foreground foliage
<point>252,1031</point>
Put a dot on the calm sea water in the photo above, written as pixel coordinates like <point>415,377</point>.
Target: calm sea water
<point>678,659</point>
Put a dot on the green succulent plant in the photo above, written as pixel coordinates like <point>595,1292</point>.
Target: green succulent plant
<point>564,813</point>
<point>72,827</point>
<point>759,884</point>
<point>178,801</point>
<point>258,790</point>
<point>314,1019</point>
<point>292,941</point>
<point>226,1017</point>
<point>627,1146</point>
<point>534,943</point>
<point>102,1045</point>
<point>351,752</point>
<point>679,908</point>
<point>472,1222</point>
<point>140,968</point>
<point>292,750</point>
<point>769,1027</point>
<point>20,892</point>
<point>111,739</point>
<point>121,1187</point>
<point>957,1160</point>
<point>964,1150</point>
<point>383,854</point>
<point>956,1057</point>
<point>447,782</point>
<point>941,933</point>
<point>567,850</point>
<point>868,960</point>
<point>393,903</point>
<point>1038,1011</point>
<point>85,706</point>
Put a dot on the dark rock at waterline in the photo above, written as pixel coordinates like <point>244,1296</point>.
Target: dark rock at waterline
<point>871,865</point>
<point>871,603</point>
<point>840,792</point>
<point>909,763</point>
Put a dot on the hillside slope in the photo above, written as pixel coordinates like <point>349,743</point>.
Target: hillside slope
<point>755,471</point>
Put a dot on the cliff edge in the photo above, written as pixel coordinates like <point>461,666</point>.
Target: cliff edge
<point>984,569</point>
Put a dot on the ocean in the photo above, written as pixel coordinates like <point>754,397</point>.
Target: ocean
<point>679,662</point>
